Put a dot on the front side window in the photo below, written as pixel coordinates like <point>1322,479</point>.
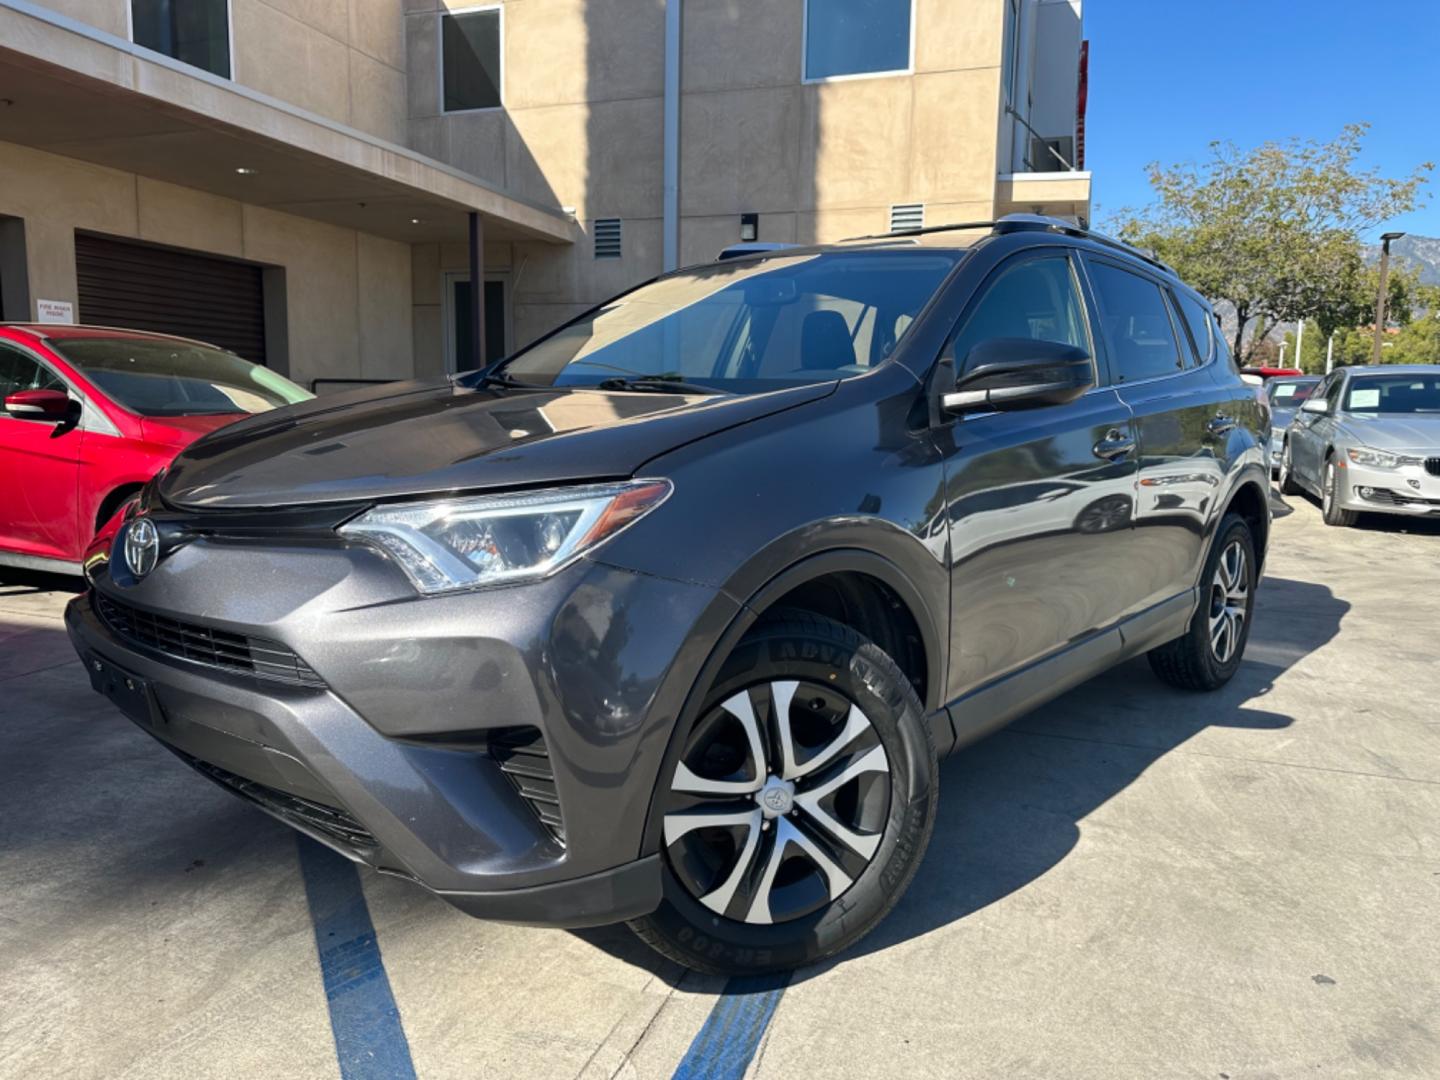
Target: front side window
<point>1137,324</point>
<point>746,327</point>
<point>470,62</point>
<point>176,378</point>
<point>1033,298</point>
<point>857,37</point>
<point>195,32</point>
<point>21,372</point>
<point>1397,394</point>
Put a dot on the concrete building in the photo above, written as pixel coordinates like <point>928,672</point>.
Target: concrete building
<point>312,182</point>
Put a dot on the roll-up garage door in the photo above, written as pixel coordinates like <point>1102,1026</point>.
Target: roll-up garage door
<point>171,292</point>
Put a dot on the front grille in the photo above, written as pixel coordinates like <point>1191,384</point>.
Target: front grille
<point>205,645</point>
<point>523,756</point>
<point>1432,466</point>
<point>329,821</point>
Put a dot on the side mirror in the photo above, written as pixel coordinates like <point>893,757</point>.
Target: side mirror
<point>1318,406</point>
<point>51,405</point>
<point>1020,373</point>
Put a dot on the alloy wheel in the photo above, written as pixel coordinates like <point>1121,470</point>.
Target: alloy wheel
<point>778,803</point>
<point>1327,497</point>
<point>1229,601</point>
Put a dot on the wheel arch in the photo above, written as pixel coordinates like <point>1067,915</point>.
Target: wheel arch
<point>1251,501</point>
<point>114,500</point>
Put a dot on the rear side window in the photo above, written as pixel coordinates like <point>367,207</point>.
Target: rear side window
<point>1034,298</point>
<point>1200,325</point>
<point>1137,324</point>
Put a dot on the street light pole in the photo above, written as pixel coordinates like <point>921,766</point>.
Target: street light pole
<point>1283,346</point>
<point>1300,344</point>
<point>1380,297</point>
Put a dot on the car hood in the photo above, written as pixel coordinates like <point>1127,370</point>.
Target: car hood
<point>420,438</point>
<point>183,430</point>
<point>1421,432</point>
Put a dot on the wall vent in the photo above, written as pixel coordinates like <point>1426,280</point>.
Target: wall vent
<point>907,216</point>
<point>607,238</point>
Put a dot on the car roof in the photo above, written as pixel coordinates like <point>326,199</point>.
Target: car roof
<point>1393,369</point>
<point>73,331</point>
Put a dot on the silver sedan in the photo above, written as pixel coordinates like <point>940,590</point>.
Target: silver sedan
<point>1368,439</point>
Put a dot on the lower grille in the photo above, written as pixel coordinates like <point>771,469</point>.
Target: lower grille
<point>523,756</point>
<point>204,645</point>
<point>1432,466</point>
<point>1396,498</point>
<point>329,821</point>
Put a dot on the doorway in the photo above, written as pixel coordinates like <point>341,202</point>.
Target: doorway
<point>456,313</point>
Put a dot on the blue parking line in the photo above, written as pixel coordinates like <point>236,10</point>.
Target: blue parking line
<point>727,1041</point>
<point>369,1041</point>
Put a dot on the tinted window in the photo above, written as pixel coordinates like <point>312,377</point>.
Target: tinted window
<point>1333,392</point>
<point>20,372</point>
<point>1033,298</point>
<point>1402,394</point>
<point>744,326</point>
<point>1289,393</point>
<point>470,59</point>
<point>856,37</point>
<point>173,378</point>
<point>196,32</point>
<point>1137,324</point>
<point>1200,325</point>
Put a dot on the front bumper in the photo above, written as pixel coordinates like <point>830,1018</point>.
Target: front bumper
<point>1408,490</point>
<point>391,745</point>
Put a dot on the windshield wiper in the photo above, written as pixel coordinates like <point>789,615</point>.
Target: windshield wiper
<point>665,383</point>
<point>500,378</point>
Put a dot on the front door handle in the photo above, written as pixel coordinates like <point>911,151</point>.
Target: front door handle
<point>1222,425</point>
<point>1115,444</point>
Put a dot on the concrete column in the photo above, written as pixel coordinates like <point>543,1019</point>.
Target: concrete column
<point>477,293</point>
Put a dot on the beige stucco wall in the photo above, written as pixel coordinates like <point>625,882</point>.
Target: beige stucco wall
<point>342,59</point>
<point>348,294</point>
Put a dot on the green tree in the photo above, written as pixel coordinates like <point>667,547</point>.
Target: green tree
<point>1349,313</point>
<point>1275,231</point>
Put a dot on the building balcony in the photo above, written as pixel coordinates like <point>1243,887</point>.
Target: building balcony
<point>1055,194</point>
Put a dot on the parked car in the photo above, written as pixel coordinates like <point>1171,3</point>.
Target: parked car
<point>668,617</point>
<point>90,414</point>
<point>1368,440</point>
<point>1285,395</point>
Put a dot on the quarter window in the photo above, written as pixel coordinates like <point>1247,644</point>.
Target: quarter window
<point>1035,299</point>
<point>195,32</point>
<point>470,63</point>
<point>857,37</point>
<point>1202,327</point>
<point>1137,324</point>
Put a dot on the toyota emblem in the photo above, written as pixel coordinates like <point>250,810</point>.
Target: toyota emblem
<point>142,546</point>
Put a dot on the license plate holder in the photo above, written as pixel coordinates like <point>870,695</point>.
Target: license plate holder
<point>128,692</point>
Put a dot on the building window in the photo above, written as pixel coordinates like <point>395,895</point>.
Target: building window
<point>471,69</point>
<point>195,32</point>
<point>848,38</point>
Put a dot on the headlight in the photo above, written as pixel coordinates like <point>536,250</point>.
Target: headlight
<point>492,540</point>
<point>1380,459</point>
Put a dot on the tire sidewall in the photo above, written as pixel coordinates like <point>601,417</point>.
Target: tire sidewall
<point>1233,526</point>
<point>869,678</point>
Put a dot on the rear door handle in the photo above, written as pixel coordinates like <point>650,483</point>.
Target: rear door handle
<point>1222,425</point>
<point>1116,444</point>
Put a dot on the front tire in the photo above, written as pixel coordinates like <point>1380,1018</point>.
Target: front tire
<point>1330,507</point>
<point>1207,655</point>
<point>1287,483</point>
<point>800,807</point>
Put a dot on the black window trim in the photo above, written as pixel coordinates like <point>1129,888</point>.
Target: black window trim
<point>1176,294</point>
<point>1164,286</point>
<point>473,9</point>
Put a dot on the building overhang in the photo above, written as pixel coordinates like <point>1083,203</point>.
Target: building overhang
<point>70,89</point>
<point>1054,194</point>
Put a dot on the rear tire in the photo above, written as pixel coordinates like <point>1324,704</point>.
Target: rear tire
<point>1330,507</point>
<point>752,893</point>
<point>1208,654</point>
<point>1287,483</point>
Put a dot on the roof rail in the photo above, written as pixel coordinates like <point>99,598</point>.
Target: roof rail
<point>1033,223</point>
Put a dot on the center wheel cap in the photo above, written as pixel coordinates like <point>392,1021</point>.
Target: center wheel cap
<point>776,798</point>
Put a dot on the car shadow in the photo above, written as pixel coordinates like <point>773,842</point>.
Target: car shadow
<point>15,582</point>
<point>1408,524</point>
<point>1012,804</point>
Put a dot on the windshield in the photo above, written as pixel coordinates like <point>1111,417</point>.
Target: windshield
<point>1289,393</point>
<point>746,326</point>
<point>155,377</point>
<point>1394,394</point>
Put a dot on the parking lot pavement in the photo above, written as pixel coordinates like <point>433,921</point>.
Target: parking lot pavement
<point>1131,882</point>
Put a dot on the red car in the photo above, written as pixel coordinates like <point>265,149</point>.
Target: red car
<point>90,414</point>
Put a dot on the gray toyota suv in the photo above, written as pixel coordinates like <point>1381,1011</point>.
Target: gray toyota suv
<point>669,617</point>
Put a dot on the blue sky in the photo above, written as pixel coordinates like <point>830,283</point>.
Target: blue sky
<point>1167,77</point>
